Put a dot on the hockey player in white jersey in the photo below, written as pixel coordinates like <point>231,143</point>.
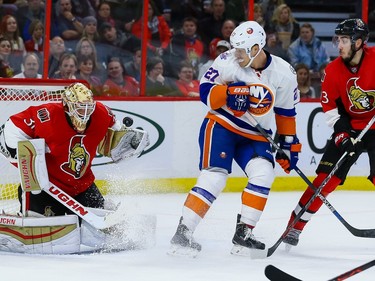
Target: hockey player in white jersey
<point>242,85</point>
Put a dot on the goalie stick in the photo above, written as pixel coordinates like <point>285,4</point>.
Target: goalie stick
<point>369,233</point>
<point>275,274</point>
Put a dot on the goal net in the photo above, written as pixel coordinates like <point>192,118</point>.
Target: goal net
<point>17,95</point>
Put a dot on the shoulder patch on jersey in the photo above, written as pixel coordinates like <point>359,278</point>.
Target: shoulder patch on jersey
<point>43,115</point>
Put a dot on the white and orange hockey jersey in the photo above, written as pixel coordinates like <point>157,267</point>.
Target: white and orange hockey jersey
<point>273,95</point>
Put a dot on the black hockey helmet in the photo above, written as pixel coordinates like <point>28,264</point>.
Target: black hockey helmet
<point>355,28</point>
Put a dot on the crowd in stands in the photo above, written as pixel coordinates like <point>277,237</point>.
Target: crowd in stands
<point>100,42</point>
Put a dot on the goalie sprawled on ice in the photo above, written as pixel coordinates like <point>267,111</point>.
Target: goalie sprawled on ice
<point>53,145</point>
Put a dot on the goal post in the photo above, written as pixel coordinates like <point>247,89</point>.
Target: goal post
<point>17,95</point>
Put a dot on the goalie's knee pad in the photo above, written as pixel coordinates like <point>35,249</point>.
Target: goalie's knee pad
<point>47,235</point>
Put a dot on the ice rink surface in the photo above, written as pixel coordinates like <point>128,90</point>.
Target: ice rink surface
<point>326,248</point>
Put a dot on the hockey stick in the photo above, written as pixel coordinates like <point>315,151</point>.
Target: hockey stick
<point>268,252</point>
<point>99,222</point>
<point>353,271</point>
<point>275,274</point>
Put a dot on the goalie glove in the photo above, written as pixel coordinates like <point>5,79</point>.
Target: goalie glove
<point>289,157</point>
<point>238,98</point>
<point>124,144</point>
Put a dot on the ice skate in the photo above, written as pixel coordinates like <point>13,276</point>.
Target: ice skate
<point>291,239</point>
<point>244,240</point>
<point>183,243</point>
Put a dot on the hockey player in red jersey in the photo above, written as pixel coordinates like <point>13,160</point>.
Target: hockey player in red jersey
<point>243,84</point>
<point>348,101</point>
<point>73,130</point>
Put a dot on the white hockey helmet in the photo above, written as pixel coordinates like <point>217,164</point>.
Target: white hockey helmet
<point>79,105</point>
<point>248,34</point>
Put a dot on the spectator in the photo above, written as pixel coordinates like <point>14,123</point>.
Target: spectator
<point>237,10</point>
<point>31,66</point>
<point>133,67</point>
<point>304,82</point>
<point>285,26</point>
<point>221,47</point>
<point>67,67</point>
<point>210,26</point>
<point>274,47</point>
<point>57,49</point>
<point>184,9</point>
<point>69,25</point>
<point>159,34</point>
<point>226,30</point>
<point>259,15</point>
<point>104,14</point>
<point>90,29</point>
<point>186,46</point>
<point>35,44</point>
<point>117,43</point>
<point>82,8</point>
<point>87,69</point>
<point>9,29</point>
<point>269,7</point>
<point>34,10</point>
<point>308,49</point>
<point>6,71</point>
<point>118,84</point>
<point>186,83</point>
<point>157,84</point>
<point>85,47</point>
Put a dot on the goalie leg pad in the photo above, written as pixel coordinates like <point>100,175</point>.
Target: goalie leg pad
<point>32,165</point>
<point>47,235</point>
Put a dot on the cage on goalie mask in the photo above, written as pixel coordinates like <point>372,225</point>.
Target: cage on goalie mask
<point>79,105</point>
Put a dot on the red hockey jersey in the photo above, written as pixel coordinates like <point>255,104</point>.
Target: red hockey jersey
<point>355,87</point>
<point>70,154</point>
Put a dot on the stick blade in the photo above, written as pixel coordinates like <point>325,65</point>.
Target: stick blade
<point>275,274</point>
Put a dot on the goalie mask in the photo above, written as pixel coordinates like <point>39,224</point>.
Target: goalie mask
<point>79,105</point>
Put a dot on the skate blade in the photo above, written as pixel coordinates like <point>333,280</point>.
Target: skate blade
<point>178,251</point>
<point>240,251</point>
<point>288,247</point>
<point>248,252</point>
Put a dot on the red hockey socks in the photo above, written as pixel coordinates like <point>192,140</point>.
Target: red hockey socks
<point>317,203</point>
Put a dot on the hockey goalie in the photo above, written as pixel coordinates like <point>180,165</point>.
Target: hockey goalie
<point>53,146</point>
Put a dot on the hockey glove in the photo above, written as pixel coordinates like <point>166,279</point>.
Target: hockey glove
<point>291,147</point>
<point>345,143</point>
<point>238,98</point>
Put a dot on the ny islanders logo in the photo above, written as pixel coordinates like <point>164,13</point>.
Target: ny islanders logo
<point>362,100</point>
<point>78,158</point>
<point>261,99</point>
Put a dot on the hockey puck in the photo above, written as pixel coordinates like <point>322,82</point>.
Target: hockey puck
<point>127,121</point>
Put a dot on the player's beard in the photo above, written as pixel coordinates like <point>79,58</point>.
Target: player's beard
<point>350,55</point>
